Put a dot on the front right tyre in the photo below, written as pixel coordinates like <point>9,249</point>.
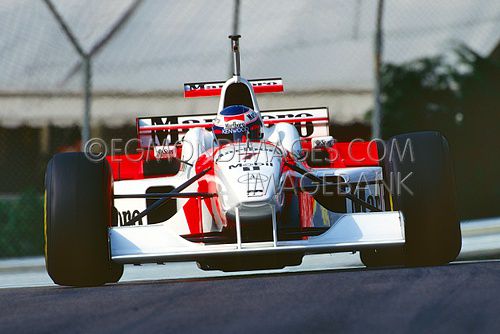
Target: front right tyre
<point>78,212</point>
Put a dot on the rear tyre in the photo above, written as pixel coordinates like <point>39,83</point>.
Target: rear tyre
<point>78,210</point>
<point>423,190</point>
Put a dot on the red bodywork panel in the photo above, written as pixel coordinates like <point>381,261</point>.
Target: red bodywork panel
<point>131,166</point>
<point>343,155</point>
<point>126,167</point>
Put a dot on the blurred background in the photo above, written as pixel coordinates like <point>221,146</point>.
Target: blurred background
<point>435,65</point>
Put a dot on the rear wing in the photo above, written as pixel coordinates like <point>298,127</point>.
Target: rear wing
<point>167,130</point>
<point>201,89</point>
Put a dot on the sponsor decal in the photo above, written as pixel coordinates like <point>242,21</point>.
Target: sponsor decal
<point>254,165</point>
<point>265,83</point>
<point>159,137</point>
<point>125,216</point>
<point>235,127</point>
<point>255,192</point>
<point>326,141</point>
<point>162,136</point>
<point>255,183</point>
<point>163,152</point>
<point>370,194</point>
<point>244,149</point>
<point>219,85</point>
<point>248,156</point>
<point>201,86</point>
<point>247,178</point>
<point>251,115</point>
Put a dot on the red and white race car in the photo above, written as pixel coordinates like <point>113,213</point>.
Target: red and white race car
<point>248,189</point>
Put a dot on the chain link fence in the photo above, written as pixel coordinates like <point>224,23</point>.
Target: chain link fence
<point>142,51</point>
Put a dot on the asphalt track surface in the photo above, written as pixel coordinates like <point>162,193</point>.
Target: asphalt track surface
<point>456,298</point>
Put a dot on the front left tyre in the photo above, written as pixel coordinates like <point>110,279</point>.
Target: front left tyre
<point>78,212</point>
<point>422,188</point>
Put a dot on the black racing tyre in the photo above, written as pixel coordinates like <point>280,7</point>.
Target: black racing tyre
<point>385,257</point>
<point>78,210</point>
<point>115,272</point>
<point>423,189</point>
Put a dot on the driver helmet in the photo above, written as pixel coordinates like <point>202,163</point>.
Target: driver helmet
<point>237,123</point>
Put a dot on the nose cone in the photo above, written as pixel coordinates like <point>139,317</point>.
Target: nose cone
<point>248,173</point>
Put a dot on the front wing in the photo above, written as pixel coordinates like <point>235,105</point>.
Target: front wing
<point>349,232</point>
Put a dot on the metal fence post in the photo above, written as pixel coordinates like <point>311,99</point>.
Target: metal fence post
<point>378,49</point>
<point>87,103</point>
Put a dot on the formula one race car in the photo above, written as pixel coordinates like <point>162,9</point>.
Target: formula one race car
<point>248,189</point>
